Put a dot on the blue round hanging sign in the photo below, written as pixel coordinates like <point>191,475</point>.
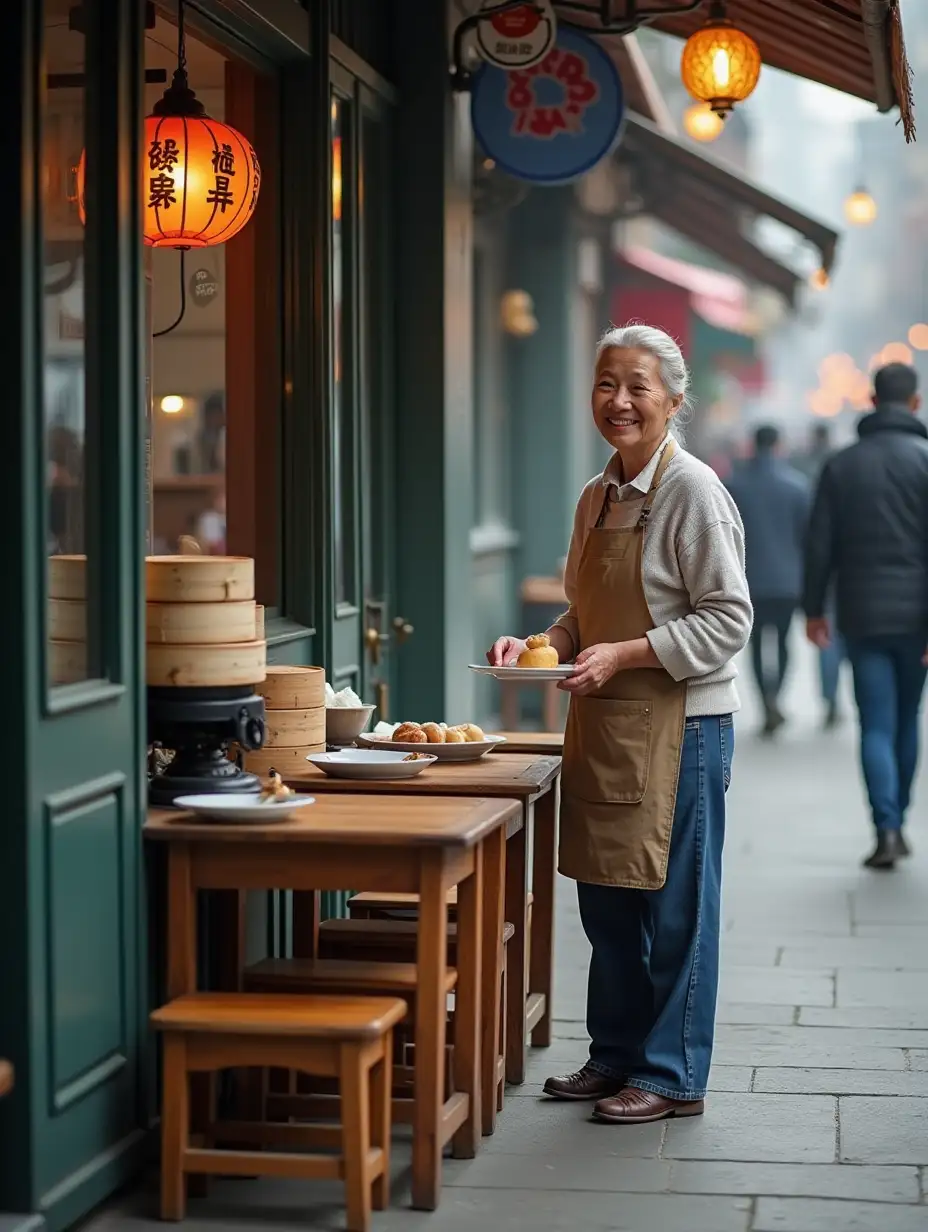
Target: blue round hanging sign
<point>554,121</point>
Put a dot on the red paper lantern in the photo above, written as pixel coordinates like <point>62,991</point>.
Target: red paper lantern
<point>200,184</point>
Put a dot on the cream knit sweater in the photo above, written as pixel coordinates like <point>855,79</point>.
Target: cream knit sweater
<point>692,571</point>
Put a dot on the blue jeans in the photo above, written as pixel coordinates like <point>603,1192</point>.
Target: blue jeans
<point>655,965</point>
<point>889,678</point>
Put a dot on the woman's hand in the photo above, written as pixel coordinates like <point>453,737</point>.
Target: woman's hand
<point>594,666</point>
<point>504,651</point>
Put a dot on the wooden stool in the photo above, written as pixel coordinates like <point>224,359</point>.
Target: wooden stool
<point>394,941</point>
<point>348,1038</point>
<point>295,976</point>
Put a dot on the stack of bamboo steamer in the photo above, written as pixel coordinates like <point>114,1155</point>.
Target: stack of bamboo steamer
<point>201,623</point>
<point>67,619</point>
<point>294,714</point>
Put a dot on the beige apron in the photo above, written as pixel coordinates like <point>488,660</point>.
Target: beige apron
<point>623,743</point>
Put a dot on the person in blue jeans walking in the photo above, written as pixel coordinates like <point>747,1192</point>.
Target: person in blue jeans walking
<point>869,537</point>
<point>659,607</point>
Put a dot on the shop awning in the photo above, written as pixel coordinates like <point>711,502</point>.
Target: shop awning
<point>855,46</point>
<point>705,201</point>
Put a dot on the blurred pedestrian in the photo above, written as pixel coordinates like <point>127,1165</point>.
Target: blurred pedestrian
<point>773,499</point>
<point>869,534</point>
<point>811,461</point>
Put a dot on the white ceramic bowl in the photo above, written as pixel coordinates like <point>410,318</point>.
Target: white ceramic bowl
<point>343,724</point>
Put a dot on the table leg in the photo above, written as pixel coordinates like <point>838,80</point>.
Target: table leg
<point>494,875</point>
<point>467,998</point>
<point>516,973</point>
<point>431,1011</point>
<point>182,979</point>
<point>544,878</point>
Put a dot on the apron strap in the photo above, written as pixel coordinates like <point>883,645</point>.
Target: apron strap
<point>669,450</point>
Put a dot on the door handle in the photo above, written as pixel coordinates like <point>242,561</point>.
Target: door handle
<point>373,640</point>
<point>402,629</point>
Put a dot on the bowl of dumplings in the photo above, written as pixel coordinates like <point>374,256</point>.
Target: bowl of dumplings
<point>461,742</point>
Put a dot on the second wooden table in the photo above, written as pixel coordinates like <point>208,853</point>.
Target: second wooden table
<point>534,782</point>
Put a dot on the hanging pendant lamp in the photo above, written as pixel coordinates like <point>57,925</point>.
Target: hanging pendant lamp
<point>201,177</point>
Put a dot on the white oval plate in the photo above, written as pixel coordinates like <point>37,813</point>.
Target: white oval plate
<point>524,675</point>
<point>242,806</point>
<point>442,752</point>
<point>371,764</point>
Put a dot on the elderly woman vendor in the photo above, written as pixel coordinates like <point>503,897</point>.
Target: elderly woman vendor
<point>659,608</point>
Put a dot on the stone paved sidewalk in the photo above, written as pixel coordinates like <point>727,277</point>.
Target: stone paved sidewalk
<point>818,1117</point>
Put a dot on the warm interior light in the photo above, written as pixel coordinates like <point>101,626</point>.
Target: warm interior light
<point>337,179</point>
<point>860,209</point>
<point>825,403</point>
<point>918,337</point>
<point>819,280</point>
<point>172,404</point>
<point>720,63</point>
<point>702,123</point>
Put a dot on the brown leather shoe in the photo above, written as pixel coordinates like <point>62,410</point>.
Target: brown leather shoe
<point>632,1106</point>
<point>586,1083</point>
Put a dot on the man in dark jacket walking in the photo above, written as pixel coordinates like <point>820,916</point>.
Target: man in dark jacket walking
<point>869,534</point>
<point>773,500</point>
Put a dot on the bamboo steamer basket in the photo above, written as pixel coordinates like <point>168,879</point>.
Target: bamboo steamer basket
<point>293,688</point>
<point>285,761</point>
<point>292,729</point>
<point>205,667</point>
<point>199,579</point>
<point>259,620</point>
<point>67,577</point>
<point>67,620</point>
<point>67,661</point>
<point>200,624</point>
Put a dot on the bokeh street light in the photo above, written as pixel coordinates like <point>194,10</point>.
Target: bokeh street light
<point>860,209</point>
<point>702,123</point>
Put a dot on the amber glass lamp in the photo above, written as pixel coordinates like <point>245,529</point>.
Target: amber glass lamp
<point>720,64</point>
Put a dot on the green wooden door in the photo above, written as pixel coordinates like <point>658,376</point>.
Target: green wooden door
<point>72,1006</point>
<point>366,631</point>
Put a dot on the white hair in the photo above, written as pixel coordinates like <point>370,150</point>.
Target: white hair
<point>674,375</point>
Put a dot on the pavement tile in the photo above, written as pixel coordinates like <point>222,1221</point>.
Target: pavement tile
<point>550,1127</point>
<point>910,954</point>
<point>762,1128</point>
<point>905,1018</point>
<point>871,1184</point>
<point>899,899</point>
<point>730,1078</point>
<point>596,1174</point>
<point>821,1037</point>
<point>815,1056</point>
<point>776,986</point>
<point>840,1082</point>
<point>902,989</point>
<point>884,1130</point>
<point>918,1058</point>
<point>895,934</point>
<point>811,1215</point>
<point>756,1015</point>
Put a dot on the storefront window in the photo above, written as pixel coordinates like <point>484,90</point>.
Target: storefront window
<point>214,320</point>
<point>69,414</point>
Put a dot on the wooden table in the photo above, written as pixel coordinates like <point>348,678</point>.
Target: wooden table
<point>534,782</point>
<point>426,847</point>
<point>542,744</point>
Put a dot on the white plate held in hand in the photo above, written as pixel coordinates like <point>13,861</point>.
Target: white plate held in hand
<point>525,675</point>
<point>370,764</point>
<point>240,807</point>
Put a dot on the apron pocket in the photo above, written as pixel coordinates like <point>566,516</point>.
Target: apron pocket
<point>611,752</point>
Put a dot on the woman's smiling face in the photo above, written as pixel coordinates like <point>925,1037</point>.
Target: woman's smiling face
<point>631,407</point>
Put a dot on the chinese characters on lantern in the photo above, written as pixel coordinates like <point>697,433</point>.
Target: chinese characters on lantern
<point>533,118</point>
